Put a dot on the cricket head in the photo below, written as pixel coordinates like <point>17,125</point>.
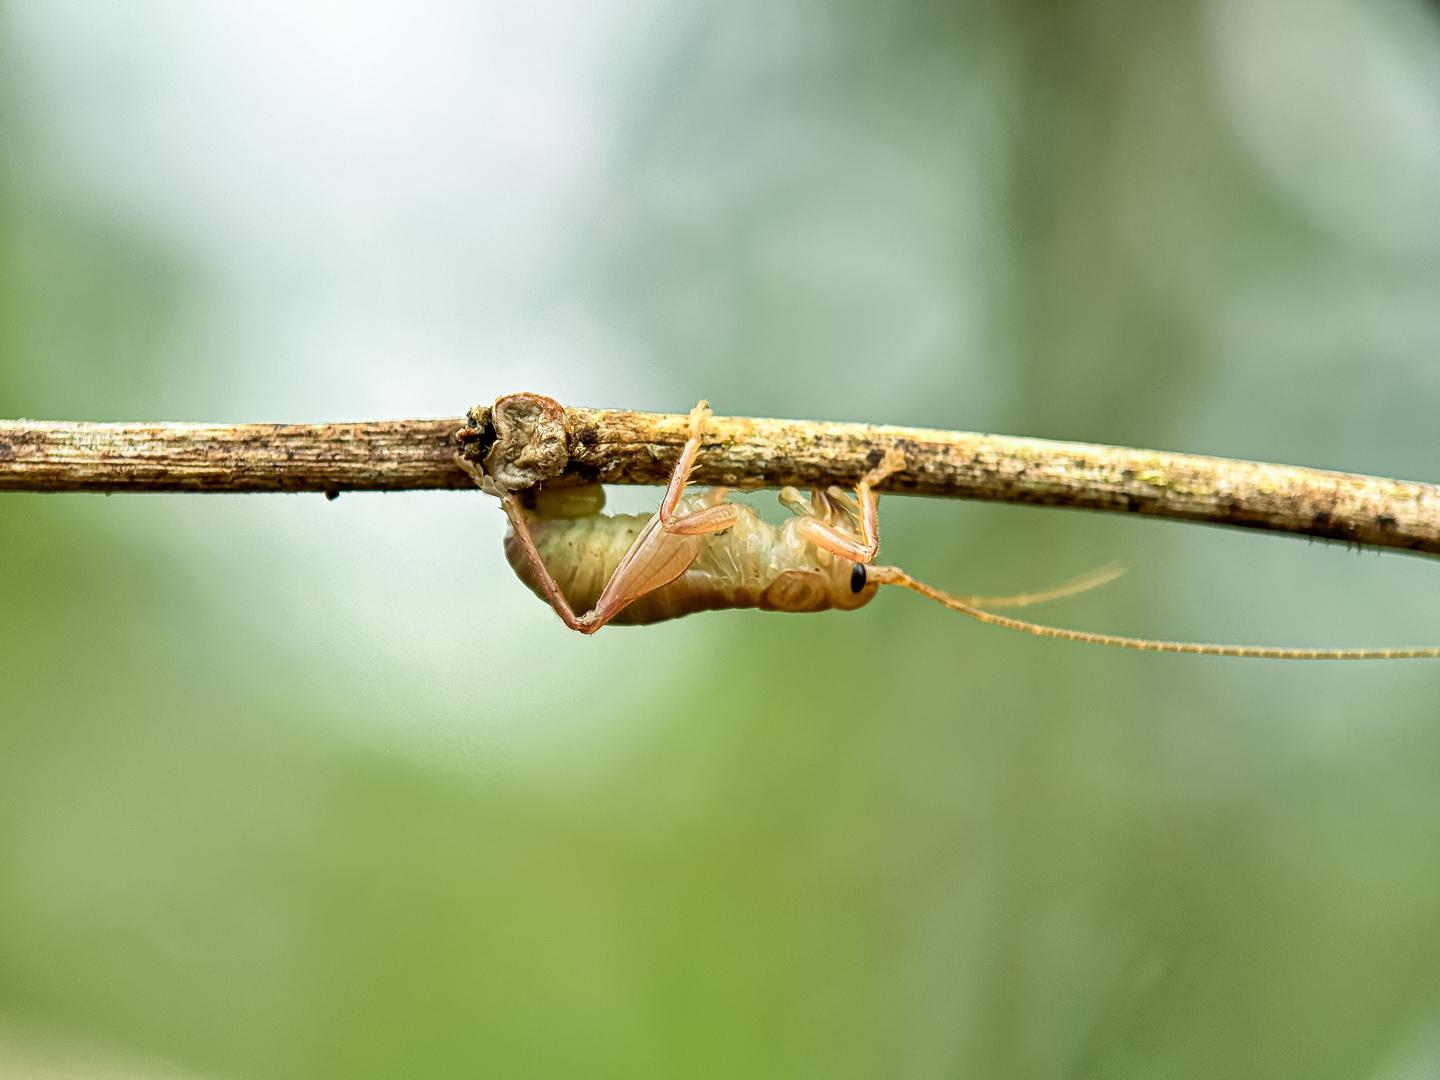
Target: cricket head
<point>841,585</point>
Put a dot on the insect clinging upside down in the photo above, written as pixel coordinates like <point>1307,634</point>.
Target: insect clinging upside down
<point>702,553</point>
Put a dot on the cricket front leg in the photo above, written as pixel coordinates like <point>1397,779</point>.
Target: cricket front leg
<point>828,538</point>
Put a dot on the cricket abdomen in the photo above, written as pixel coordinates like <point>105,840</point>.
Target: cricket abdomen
<point>733,569</point>
<point>580,553</point>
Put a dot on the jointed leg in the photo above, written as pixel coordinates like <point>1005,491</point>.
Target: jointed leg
<point>828,538</point>
<point>662,552</point>
<point>520,525</point>
<point>713,518</point>
<point>815,505</point>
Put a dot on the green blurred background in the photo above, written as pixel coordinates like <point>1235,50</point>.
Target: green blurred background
<point>297,789</point>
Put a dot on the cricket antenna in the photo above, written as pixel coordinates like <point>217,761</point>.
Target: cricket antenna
<point>968,605</point>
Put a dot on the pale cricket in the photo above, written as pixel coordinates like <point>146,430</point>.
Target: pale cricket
<point>703,553</point>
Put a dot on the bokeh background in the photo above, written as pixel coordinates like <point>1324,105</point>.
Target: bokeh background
<point>291,788</point>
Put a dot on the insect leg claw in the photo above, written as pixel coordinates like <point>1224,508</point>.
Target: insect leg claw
<point>486,483</point>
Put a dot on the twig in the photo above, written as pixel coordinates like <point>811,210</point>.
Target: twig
<point>384,455</point>
<point>526,438</point>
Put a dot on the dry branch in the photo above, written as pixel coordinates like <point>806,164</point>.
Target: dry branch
<point>382,455</point>
<point>526,438</point>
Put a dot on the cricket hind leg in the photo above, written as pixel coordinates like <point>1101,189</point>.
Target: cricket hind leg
<point>670,541</point>
<point>662,552</point>
<point>520,526</point>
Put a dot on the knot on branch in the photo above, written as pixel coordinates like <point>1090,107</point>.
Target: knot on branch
<point>520,441</point>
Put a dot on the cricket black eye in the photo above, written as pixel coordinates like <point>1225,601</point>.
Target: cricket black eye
<point>857,577</point>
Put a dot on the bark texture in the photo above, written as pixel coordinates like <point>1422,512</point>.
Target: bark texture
<point>524,439</point>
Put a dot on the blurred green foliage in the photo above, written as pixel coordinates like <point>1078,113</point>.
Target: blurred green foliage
<point>296,789</point>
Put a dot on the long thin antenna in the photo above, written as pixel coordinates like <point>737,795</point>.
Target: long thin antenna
<point>1094,579</point>
<point>890,575</point>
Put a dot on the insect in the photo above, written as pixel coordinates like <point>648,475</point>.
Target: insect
<point>702,553</point>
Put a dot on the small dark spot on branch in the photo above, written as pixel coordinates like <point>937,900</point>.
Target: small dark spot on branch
<point>332,494</point>
<point>1386,522</point>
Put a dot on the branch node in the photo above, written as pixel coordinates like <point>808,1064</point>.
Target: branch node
<point>521,440</point>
